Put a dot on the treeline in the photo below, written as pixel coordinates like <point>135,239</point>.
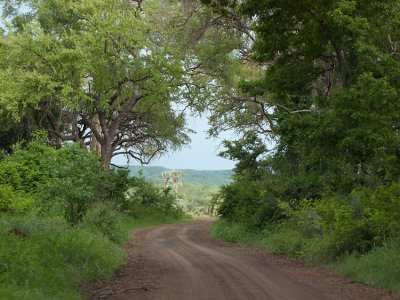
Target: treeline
<point>215,177</point>
<point>64,217</point>
<point>318,163</point>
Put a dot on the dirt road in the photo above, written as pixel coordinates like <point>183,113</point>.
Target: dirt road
<point>181,262</point>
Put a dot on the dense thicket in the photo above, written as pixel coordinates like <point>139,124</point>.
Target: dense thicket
<point>326,94</point>
<point>63,217</point>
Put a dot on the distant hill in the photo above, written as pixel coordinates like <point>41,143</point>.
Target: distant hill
<point>216,177</point>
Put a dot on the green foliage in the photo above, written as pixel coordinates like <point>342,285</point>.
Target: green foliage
<point>69,180</point>
<point>27,169</point>
<point>251,197</point>
<point>247,152</point>
<point>379,267</point>
<point>324,230</point>
<point>111,60</point>
<point>197,198</point>
<point>76,177</point>
<point>328,100</point>
<point>11,201</point>
<point>44,258</point>
<point>284,241</point>
<point>246,202</point>
<point>63,220</point>
<point>145,193</point>
<point>382,210</point>
<point>142,216</point>
<point>233,232</point>
<point>105,220</point>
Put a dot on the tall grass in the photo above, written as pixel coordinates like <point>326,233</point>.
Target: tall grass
<point>45,258</point>
<point>232,232</point>
<point>379,267</point>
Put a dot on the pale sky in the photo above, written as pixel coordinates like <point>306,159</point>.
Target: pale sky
<point>200,154</point>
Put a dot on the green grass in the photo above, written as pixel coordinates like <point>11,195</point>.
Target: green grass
<point>237,233</point>
<point>45,258</point>
<point>379,267</point>
<point>280,242</point>
<point>143,216</point>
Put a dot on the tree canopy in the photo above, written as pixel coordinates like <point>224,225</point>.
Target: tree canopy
<point>109,74</point>
<point>324,87</point>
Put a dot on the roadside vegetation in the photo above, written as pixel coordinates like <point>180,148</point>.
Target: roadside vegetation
<point>64,218</point>
<point>317,174</point>
<point>311,88</point>
<point>193,192</point>
<point>194,198</point>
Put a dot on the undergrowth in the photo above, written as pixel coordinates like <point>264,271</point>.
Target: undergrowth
<point>45,258</point>
<point>379,267</point>
<point>64,217</point>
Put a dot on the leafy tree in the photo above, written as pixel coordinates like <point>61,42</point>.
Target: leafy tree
<point>104,73</point>
<point>322,83</point>
<point>328,95</point>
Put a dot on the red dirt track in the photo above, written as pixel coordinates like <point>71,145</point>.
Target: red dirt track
<point>180,262</point>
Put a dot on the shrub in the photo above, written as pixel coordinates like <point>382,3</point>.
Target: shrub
<point>284,241</point>
<point>380,266</point>
<point>11,201</point>
<point>233,232</point>
<point>75,182</point>
<point>114,185</point>
<point>345,225</point>
<point>144,193</point>
<point>27,169</point>
<point>247,202</point>
<point>320,250</point>
<point>106,221</point>
<point>48,258</point>
<point>382,208</point>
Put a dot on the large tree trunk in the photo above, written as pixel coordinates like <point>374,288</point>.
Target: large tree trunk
<point>95,145</point>
<point>106,154</point>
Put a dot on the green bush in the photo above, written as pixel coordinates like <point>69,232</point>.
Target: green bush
<point>284,241</point>
<point>67,181</point>
<point>44,258</point>
<point>382,209</point>
<point>11,201</point>
<point>234,232</point>
<point>247,201</point>
<point>75,182</point>
<point>114,185</point>
<point>319,250</point>
<point>143,193</point>
<point>344,222</point>
<point>106,221</point>
<point>27,169</point>
<point>62,219</point>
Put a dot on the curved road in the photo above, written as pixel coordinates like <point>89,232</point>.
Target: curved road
<point>181,262</point>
